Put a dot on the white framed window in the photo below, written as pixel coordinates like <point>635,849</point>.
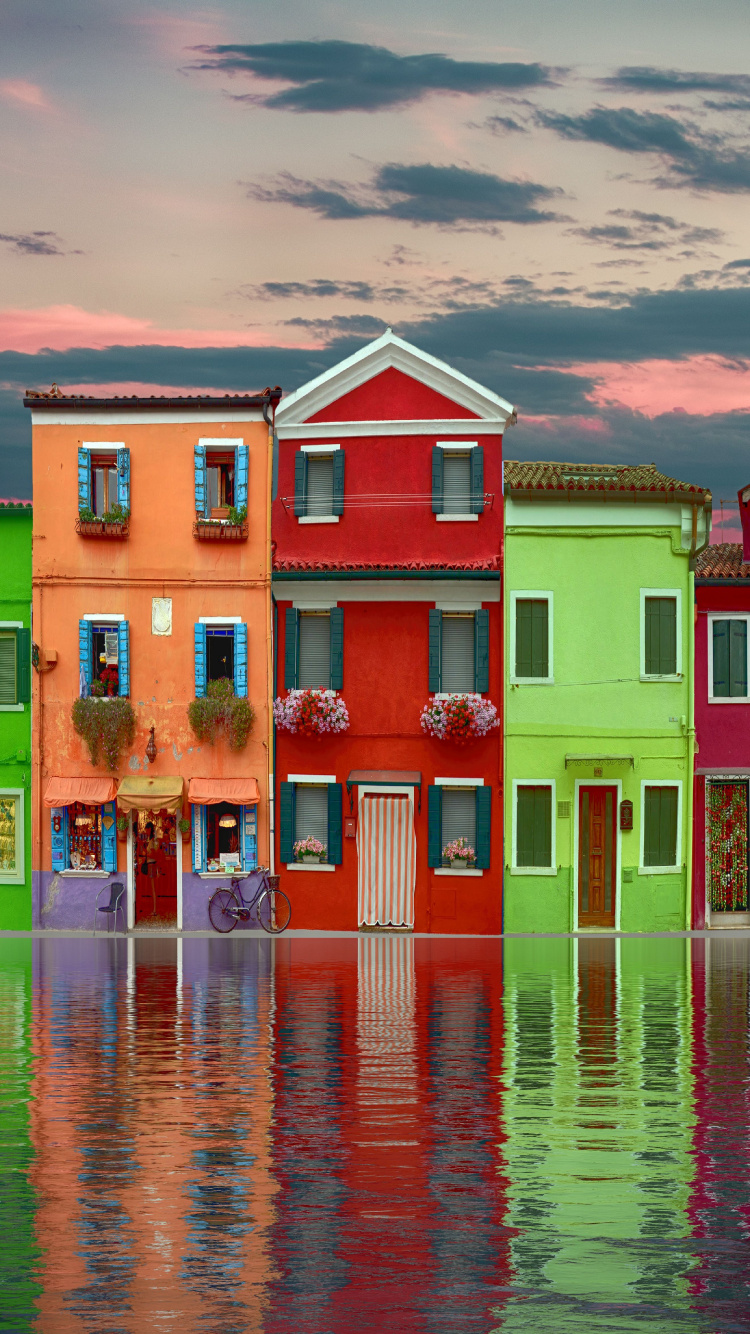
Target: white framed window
<point>661,634</point>
<point>319,484</point>
<point>458,481</point>
<point>534,849</point>
<point>661,826</point>
<point>12,868</point>
<point>728,658</point>
<point>531,637</point>
<point>15,666</point>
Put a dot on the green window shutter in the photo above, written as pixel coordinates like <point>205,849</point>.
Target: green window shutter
<point>532,637</point>
<point>437,480</point>
<point>660,826</point>
<point>482,650</point>
<point>23,666</point>
<point>436,634</point>
<point>290,649</point>
<point>737,658</point>
<point>339,459</point>
<point>337,648</point>
<point>477,479</point>
<point>484,825</point>
<point>533,825</point>
<point>335,841</point>
<point>300,484</point>
<point>434,826</point>
<point>661,636</point>
<point>8,669</point>
<point>286,822</point>
<point>720,655</point>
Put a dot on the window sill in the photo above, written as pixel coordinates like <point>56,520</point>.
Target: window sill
<point>532,870</point>
<point>457,518</point>
<point>532,680</point>
<point>659,870</point>
<point>318,518</point>
<point>223,875</point>
<point>461,694</point>
<point>306,866</point>
<point>12,708</point>
<point>729,699</point>
<point>88,875</point>
<point>678,677</point>
<point>448,870</point>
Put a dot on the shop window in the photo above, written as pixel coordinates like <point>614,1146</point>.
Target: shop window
<point>84,838</point>
<point>11,837</point>
<point>459,652</point>
<point>225,837</point>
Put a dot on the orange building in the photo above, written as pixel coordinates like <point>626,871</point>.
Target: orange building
<point>151,586</point>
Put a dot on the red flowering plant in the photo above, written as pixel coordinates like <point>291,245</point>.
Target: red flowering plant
<point>311,712</point>
<point>459,718</point>
<point>110,679</point>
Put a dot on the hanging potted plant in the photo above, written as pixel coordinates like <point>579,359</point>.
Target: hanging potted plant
<point>459,854</point>
<point>311,712</point>
<point>309,849</point>
<point>220,710</point>
<point>107,727</point>
<point>459,718</point>
<point>183,824</point>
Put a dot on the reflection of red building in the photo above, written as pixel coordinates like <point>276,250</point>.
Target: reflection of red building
<point>388,531</point>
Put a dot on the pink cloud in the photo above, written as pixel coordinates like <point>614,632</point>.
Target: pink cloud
<point>699,385</point>
<point>27,94</point>
<point>63,327</point>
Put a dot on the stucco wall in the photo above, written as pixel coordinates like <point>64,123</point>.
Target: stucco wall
<point>15,727</point>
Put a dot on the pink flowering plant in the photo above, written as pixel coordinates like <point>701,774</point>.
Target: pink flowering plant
<point>311,712</point>
<point>309,847</point>
<point>460,850</point>
<point>459,718</point>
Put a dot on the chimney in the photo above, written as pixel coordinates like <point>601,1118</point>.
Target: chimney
<point>743,497</point>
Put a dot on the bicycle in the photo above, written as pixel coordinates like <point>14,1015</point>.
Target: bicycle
<point>227,907</point>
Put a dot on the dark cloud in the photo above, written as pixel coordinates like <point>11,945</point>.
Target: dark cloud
<point>420,194</point>
<point>649,79</point>
<point>34,243</point>
<point>331,76</point>
<point>505,125</point>
<point>738,264</point>
<point>636,230</point>
<point>692,157</point>
<point>315,288</point>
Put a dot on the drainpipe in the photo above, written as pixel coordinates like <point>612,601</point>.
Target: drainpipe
<point>270,739</point>
<point>695,551</point>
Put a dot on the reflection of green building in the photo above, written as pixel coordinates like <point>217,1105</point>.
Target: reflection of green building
<point>15,717</point>
<point>597,1132</point>
<point>19,1254</point>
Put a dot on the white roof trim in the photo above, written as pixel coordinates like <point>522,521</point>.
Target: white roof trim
<point>385,352</point>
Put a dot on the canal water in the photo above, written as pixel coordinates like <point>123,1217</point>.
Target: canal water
<point>319,1136</point>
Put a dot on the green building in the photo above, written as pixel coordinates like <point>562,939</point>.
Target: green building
<point>15,717</point>
<point>600,733</point>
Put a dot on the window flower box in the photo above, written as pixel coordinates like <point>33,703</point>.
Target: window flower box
<point>219,530</point>
<point>311,712</point>
<point>310,849</point>
<point>103,527</point>
<point>459,718</point>
<point>459,854</point>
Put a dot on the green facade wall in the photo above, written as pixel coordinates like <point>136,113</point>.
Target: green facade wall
<point>595,564</point>
<point>15,726</point>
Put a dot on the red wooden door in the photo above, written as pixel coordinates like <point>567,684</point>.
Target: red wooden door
<point>597,856</point>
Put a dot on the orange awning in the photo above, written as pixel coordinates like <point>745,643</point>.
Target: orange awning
<point>139,793</point>
<point>210,791</point>
<point>91,791</point>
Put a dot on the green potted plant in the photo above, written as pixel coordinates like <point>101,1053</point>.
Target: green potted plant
<point>310,849</point>
<point>122,827</point>
<point>220,710</point>
<point>183,824</point>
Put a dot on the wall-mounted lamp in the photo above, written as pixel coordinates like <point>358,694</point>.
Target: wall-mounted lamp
<point>151,747</point>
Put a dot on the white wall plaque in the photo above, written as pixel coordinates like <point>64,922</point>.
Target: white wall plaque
<point>161,616</point>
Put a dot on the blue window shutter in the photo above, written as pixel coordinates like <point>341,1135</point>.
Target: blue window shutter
<point>437,480</point>
<point>434,826</point>
<point>84,480</point>
<point>200,660</point>
<point>109,837</point>
<point>484,824</point>
<point>482,651</point>
<point>123,658</point>
<point>335,798</point>
<point>85,651</point>
<point>300,484</point>
<point>337,648</point>
<point>249,838</point>
<point>476,456</point>
<point>123,478</point>
<point>290,649</point>
<point>339,458</point>
<point>241,476</point>
<point>201,489</point>
<point>198,817</point>
<point>23,666</point>
<point>436,634</point>
<point>286,822</point>
<point>59,840</point>
<point>240,659</point>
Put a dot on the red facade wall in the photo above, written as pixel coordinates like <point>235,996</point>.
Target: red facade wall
<point>390,396</point>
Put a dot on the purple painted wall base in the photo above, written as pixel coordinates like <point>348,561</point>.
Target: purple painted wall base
<point>68,903</point>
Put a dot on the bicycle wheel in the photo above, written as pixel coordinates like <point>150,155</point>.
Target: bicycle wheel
<point>223,910</point>
<point>274,911</point>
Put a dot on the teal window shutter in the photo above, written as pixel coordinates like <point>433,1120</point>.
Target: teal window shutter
<point>200,661</point>
<point>198,818</point>
<point>737,658</point>
<point>23,666</point>
<point>476,456</point>
<point>335,797</point>
<point>300,483</point>
<point>240,660</point>
<point>286,822</point>
<point>339,459</point>
<point>660,826</point>
<point>533,825</point>
<point>290,648</point>
<point>661,637</point>
<point>84,480</point>
<point>59,838</point>
<point>123,478</point>
<point>337,648</point>
<point>109,837</point>
<point>435,652</point>
<point>85,655</point>
<point>434,826</point>
<point>484,826</point>
<point>201,488</point>
<point>532,637</point>
<point>482,650</point>
<point>123,658</point>
<point>241,476</point>
<point>249,821</point>
<point>437,480</point>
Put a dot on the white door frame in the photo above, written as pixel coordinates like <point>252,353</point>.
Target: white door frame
<point>383,790</point>
<point>598,782</point>
<point>130,872</point>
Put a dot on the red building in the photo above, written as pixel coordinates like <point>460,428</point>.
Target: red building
<point>388,548</point>
<point>722,724</point>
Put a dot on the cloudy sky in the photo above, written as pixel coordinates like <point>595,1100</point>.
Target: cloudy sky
<point>552,197</point>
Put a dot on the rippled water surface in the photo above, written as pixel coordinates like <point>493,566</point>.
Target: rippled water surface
<point>317,1136</point>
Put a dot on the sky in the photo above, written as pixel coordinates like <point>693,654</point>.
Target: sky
<point>553,198</point>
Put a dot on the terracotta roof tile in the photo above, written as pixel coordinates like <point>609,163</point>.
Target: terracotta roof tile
<point>299,565</point>
<point>723,561</point>
<point>594,477</point>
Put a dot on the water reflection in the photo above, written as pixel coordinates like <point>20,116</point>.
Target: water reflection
<point>378,1133</point>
